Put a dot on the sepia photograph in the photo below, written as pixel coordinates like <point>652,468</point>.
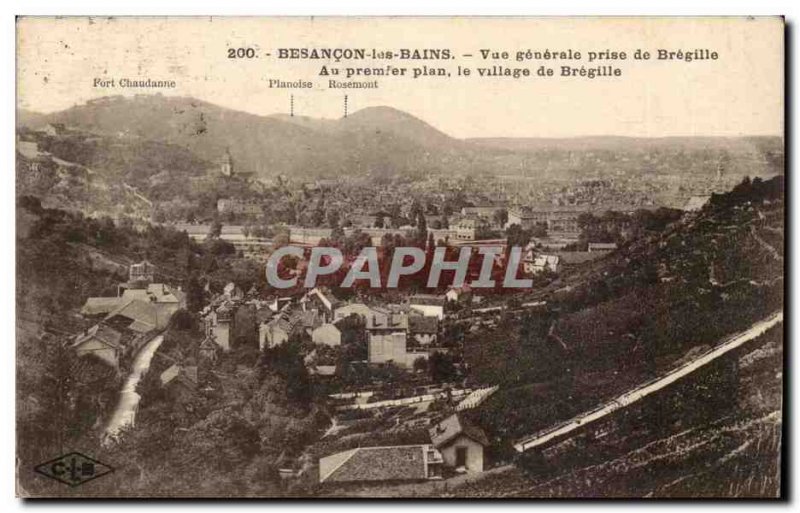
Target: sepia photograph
<point>400,257</point>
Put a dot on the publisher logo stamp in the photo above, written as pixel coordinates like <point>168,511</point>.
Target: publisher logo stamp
<point>73,469</point>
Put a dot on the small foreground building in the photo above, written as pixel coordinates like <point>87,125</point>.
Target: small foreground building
<point>460,443</point>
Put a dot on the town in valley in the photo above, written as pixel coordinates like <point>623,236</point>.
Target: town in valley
<point>644,359</point>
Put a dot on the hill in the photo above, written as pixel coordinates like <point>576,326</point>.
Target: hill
<point>385,142</point>
<point>380,141</point>
<point>626,318</point>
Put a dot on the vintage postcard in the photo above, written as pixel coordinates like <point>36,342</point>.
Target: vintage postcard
<point>402,257</point>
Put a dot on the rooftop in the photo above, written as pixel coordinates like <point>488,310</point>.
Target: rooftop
<point>453,426</point>
<point>393,463</point>
<point>103,333</point>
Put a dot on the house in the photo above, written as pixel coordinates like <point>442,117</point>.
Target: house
<point>305,321</point>
<point>101,341</point>
<point>208,349</point>
<point>219,321</point>
<point>347,310</point>
<point>602,247</point>
<point>525,218</point>
<point>285,324</point>
<point>54,129</point>
<point>575,258</point>
<point>233,292</point>
<point>327,334</point>
<point>180,382</point>
<point>535,264</point>
<point>143,271</point>
<point>274,332</point>
<point>95,306</point>
<point>238,206</point>
<point>469,228</point>
<point>382,464</point>
<point>324,371</point>
<point>460,443</point>
<point>428,304</point>
<point>229,320</point>
<point>458,293</point>
<point>279,303</point>
<point>167,300</point>
<point>138,316</point>
<point>321,301</point>
<point>485,211</point>
<point>226,166</point>
<point>386,339</point>
<point>562,219</point>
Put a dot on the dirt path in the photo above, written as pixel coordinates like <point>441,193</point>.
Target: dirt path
<point>638,393</point>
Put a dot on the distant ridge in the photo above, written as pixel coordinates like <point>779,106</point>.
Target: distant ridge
<point>381,142</point>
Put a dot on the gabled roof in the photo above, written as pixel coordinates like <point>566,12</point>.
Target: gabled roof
<point>100,305</point>
<point>304,320</point>
<point>452,427</point>
<point>324,370</point>
<point>105,334</point>
<point>394,463</point>
<point>189,374</point>
<point>263,315</point>
<point>426,299</point>
<point>578,257</point>
<point>209,343</point>
<point>390,321</point>
<point>602,245</point>
<point>161,293</point>
<point>131,294</point>
<point>143,315</point>
<point>324,296</point>
<point>328,326</point>
<point>461,290</point>
<point>546,260</point>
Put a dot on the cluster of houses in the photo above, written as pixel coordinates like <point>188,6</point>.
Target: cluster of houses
<point>140,309</point>
<point>395,333</point>
<point>398,334</point>
<point>534,261</point>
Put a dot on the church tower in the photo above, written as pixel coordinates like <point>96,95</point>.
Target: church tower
<point>226,163</point>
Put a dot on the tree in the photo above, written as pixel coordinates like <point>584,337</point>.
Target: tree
<point>500,217</point>
<point>421,364</point>
<point>216,229</point>
<point>441,367</point>
<point>422,228</point>
<point>333,219</point>
<point>337,235</point>
<point>195,297</point>
<point>517,236</point>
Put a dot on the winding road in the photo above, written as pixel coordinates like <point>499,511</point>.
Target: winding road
<point>125,412</point>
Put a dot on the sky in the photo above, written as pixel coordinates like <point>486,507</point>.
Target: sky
<point>740,93</point>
